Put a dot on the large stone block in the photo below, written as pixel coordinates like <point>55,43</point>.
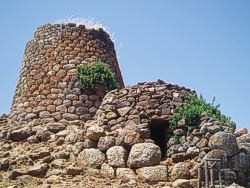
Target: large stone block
<point>180,171</point>
<point>125,173</point>
<point>117,156</point>
<point>92,157</point>
<point>153,173</point>
<point>224,141</point>
<point>95,132</point>
<point>144,154</point>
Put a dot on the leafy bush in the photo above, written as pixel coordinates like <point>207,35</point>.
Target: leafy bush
<point>192,110</point>
<point>96,74</point>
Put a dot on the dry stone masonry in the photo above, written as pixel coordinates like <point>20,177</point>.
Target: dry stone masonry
<point>58,135</point>
<point>47,87</point>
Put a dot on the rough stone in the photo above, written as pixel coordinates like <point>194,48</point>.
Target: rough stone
<point>71,138</point>
<point>213,129</point>
<point>123,111</point>
<point>181,183</point>
<point>144,154</point>
<point>111,115</point>
<point>95,132</point>
<point>43,136</point>
<point>54,127</point>
<point>92,157</point>
<point>239,162</point>
<point>129,136</point>
<point>180,171</point>
<point>228,175</point>
<point>20,134</point>
<point>117,156</point>
<point>17,172</point>
<point>73,170</point>
<point>107,170</point>
<point>224,141</point>
<point>105,143</point>
<point>4,164</point>
<point>89,143</point>
<point>58,163</point>
<point>192,151</point>
<point>30,116</point>
<point>125,173</point>
<point>153,173</point>
<point>77,148</point>
<point>70,117</point>
<point>38,170</point>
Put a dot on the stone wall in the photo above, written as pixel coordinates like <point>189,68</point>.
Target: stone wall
<point>123,128</point>
<point>47,86</point>
<point>120,142</point>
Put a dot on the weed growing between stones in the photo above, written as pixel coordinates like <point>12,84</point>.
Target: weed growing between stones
<point>96,74</point>
<point>192,110</point>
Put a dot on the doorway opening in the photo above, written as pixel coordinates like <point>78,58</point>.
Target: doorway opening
<point>160,134</point>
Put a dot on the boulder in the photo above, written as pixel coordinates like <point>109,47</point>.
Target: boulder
<point>71,138</point>
<point>70,117</point>
<point>180,171</point>
<point>38,170</point>
<point>244,139</point>
<point>58,163</point>
<point>95,132</point>
<point>224,141</point>
<point>181,183</point>
<point>179,157</point>
<point>54,127</point>
<point>246,148</point>
<point>107,170</point>
<point>111,115</point>
<point>20,134</point>
<point>174,149</point>
<point>240,132</point>
<point>73,170</point>
<point>77,148</point>
<point>217,154</point>
<point>43,136</point>
<point>238,162</point>
<point>192,151</point>
<point>214,129</point>
<point>153,173</point>
<point>16,172</point>
<point>144,154</point>
<point>105,143</point>
<point>123,111</point>
<point>89,143</point>
<point>228,175</point>
<point>4,164</point>
<point>129,136</point>
<point>117,156</point>
<point>63,133</point>
<point>40,153</point>
<point>92,157</point>
<point>125,173</point>
<point>30,116</point>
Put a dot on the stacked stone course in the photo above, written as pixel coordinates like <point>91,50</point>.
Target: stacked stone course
<point>61,133</point>
<point>48,87</point>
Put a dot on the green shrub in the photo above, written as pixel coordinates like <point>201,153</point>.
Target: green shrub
<point>192,110</point>
<point>91,75</point>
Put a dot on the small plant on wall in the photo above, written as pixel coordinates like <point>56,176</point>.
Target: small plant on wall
<point>97,73</point>
<point>192,110</point>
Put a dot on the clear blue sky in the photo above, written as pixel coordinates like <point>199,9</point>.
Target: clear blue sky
<point>203,45</point>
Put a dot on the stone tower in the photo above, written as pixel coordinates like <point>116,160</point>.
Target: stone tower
<point>47,86</point>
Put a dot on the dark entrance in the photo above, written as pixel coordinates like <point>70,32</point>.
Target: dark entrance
<point>159,133</point>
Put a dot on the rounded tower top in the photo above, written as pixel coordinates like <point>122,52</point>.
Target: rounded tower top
<point>48,87</point>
